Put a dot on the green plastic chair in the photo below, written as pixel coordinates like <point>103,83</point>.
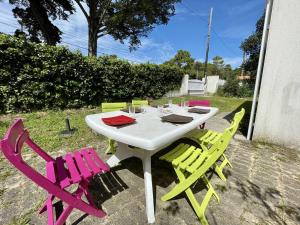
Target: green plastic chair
<point>115,106</point>
<point>110,107</point>
<point>139,103</point>
<point>190,165</point>
<point>208,137</point>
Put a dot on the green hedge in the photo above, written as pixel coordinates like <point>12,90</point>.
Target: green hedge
<point>37,76</point>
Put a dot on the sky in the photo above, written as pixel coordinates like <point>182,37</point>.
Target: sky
<point>233,21</point>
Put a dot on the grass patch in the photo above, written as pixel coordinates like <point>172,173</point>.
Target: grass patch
<point>224,104</point>
<point>45,126</point>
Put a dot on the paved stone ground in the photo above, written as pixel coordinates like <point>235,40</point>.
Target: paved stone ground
<point>262,188</point>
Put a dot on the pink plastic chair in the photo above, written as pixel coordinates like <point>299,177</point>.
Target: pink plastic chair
<point>73,168</point>
<point>192,103</point>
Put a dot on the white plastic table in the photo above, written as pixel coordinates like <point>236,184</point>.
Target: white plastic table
<point>148,135</point>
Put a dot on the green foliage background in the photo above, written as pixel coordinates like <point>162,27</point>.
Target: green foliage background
<point>235,88</point>
<point>37,76</point>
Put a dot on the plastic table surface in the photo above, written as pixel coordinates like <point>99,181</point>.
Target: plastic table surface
<point>148,132</point>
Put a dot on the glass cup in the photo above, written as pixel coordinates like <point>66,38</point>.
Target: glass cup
<point>182,104</point>
<point>160,110</point>
<point>131,110</point>
<point>143,108</point>
<point>185,104</point>
<point>170,102</point>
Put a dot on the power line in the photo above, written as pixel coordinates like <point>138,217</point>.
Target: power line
<point>101,47</point>
<point>213,30</point>
<point>197,13</point>
<point>224,43</point>
<point>84,48</point>
<point>9,24</point>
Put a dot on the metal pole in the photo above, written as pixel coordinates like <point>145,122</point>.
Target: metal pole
<point>243,65</point>
<point>68,127</point>
<point>260,66</point>
<point>207,44</point>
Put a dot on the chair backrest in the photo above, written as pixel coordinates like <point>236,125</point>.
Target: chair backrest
<point>192,103</point>
<point>139,103</point>
<point>11,146</point>
<point>211,155</point>
<point>114,106</point>
<point>239,115</point>
<point>236,121</point>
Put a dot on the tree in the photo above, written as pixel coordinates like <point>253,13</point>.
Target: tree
<point>182,59</point>
<point>36,17</point>
<point>227,71</point>
<point>218,63</point>
<point>251,46</point>
<point>124,19</point>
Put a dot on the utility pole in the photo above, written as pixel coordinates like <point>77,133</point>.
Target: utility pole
<point>208,43</point>
<point>243,65</point>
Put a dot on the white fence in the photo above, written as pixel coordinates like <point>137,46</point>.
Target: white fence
<point>197,87</point>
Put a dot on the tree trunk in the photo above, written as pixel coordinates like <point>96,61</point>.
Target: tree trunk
<point>93,28</point>
<point>92,41</point>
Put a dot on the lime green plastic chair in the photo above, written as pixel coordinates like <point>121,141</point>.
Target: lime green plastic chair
<point>191,164</point>
<point>208,137</point>
<point>109,107</point>
<point>114,106</point>
<point>139,103</point>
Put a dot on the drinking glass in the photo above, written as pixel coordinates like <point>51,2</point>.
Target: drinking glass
<point>160,110</point>
<point>131,110</point>
<point>143,108</point>
<point>185,104</point>
<point>182,104</point>
<point>170,102</point>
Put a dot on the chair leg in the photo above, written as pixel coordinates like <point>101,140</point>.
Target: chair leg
<point>182,186</point>
<point>227,161</point>
<point>199,209</point>
<point>202,126</point>
<point>111,147</point>
<point>63,217</point>
<point>210,187</point>
<point>49,208</point>
<point>219,169</point>
<point>44,207</point>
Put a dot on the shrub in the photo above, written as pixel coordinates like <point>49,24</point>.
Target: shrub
<point>37,76</point>
<point>233,88</point>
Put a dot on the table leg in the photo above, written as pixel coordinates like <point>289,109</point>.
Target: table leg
<point>148,187</point>
<point>122,153</point>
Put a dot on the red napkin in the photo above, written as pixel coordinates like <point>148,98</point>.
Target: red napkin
<point>118,120</point>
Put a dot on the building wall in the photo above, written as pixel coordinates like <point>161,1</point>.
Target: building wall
<point>278,112</point>
<point>212,84</point>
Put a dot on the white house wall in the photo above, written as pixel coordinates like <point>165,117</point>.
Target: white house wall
<point>278,111</point>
